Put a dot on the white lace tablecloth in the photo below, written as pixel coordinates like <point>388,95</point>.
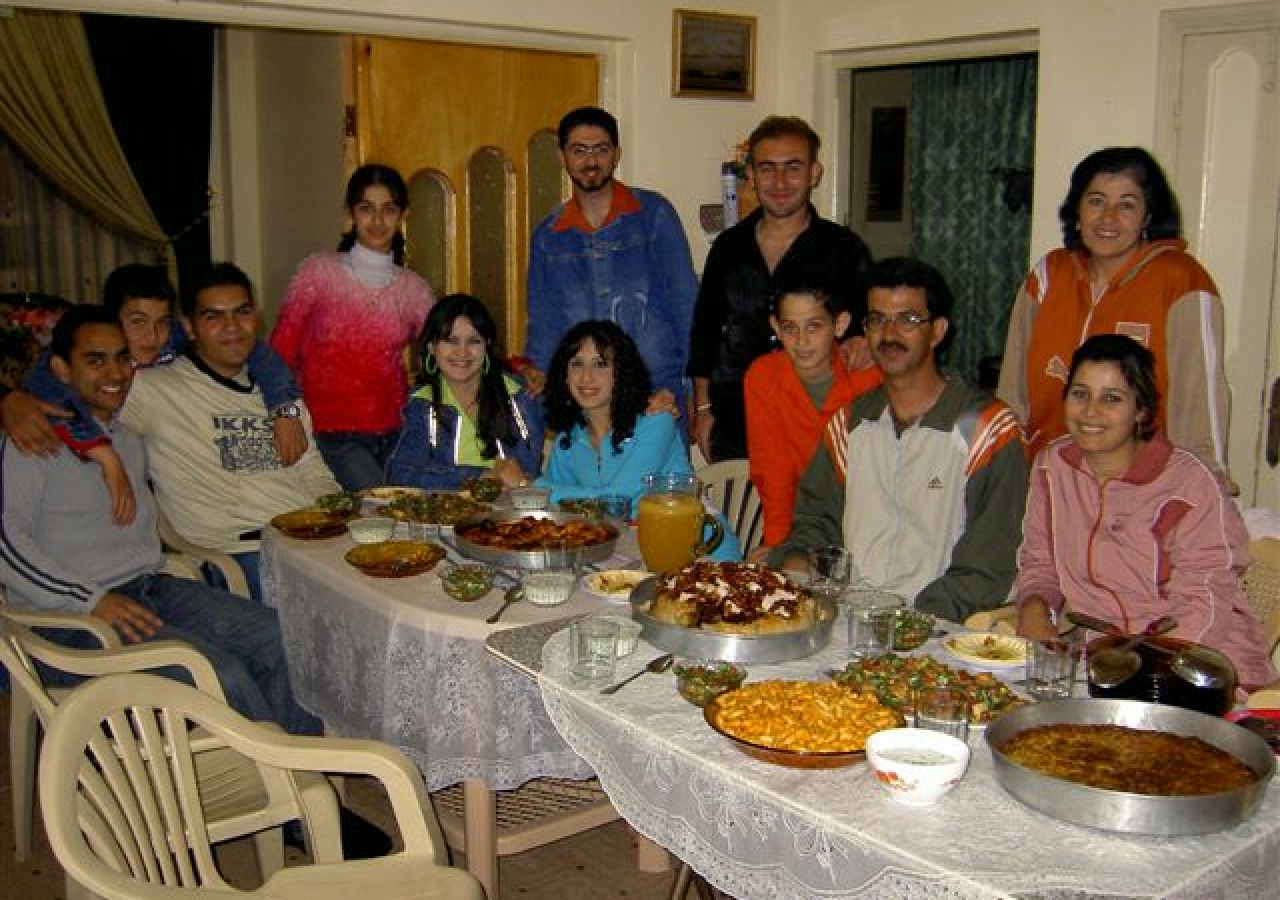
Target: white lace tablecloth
<point>762,832</point>
<point>397,660</point>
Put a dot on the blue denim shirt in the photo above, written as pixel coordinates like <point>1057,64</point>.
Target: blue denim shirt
<point>635,270</point>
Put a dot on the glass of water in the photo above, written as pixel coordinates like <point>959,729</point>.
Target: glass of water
<point>593,650</point>
<point>829,569</point>
<point>1051,667</point>
<point>871,618</point>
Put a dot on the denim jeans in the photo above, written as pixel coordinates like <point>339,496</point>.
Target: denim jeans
<point>357,459</point>
<point>239,637</point>
<point>248,563</point>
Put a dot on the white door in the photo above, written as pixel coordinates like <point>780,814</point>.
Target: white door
<point>1226,172</point>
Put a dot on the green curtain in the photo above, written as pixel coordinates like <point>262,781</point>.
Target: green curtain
<point>971,133</point>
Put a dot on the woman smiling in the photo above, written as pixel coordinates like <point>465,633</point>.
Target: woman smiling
<point>1122,525</point>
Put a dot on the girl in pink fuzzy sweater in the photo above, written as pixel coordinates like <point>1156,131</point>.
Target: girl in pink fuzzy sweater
<point>345,324</point>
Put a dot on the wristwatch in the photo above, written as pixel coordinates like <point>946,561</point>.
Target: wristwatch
<point>287,411</point>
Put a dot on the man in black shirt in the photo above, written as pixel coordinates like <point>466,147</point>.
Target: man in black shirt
<point>784,241</point>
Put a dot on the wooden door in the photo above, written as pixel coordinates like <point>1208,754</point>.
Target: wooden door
<point>1227,177</point>
<point>473,131</point>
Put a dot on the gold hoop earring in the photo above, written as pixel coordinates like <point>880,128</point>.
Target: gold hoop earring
<point>484,366</point>
<point>429,364</point>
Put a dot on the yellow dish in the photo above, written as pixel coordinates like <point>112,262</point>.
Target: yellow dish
<point>615,584</point>
<point>310,524</point>
<point>395,559</point>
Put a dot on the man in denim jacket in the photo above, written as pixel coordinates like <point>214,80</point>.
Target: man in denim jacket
<point>611,252</point>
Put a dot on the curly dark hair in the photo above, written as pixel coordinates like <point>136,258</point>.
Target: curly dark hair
<point>631,382</point>
<point>1164,220</point>
<point>494,420</point>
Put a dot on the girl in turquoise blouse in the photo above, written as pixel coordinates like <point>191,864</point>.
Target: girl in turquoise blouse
<point>596,394</point>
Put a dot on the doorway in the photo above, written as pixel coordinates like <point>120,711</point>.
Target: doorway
<point>472,129</point>
<point>1219,126</point>
<point>940,168</point>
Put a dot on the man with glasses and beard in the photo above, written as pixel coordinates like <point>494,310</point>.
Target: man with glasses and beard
<point>611,252</point>
<point>924,478</point>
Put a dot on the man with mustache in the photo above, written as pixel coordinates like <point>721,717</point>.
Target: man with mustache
<point>924,478</point>
<point>611,252</point>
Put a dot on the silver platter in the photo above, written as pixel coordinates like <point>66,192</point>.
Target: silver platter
<point>697,644</point>
<point>1128,812</point>
<point>531,559</point>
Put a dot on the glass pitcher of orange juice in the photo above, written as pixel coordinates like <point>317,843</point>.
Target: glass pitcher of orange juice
<point>671,521</point>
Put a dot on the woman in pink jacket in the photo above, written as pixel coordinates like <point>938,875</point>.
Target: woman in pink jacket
<point>1122,525</point>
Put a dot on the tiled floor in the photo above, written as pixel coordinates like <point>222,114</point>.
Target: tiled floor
<point>598,864</point>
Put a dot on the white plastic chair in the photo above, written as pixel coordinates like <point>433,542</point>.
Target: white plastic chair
<point>177,544</point>
<point>119,785</point>
<point>727,486</point>
<point>237,800</point>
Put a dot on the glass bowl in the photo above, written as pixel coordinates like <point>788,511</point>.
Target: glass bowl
<point>467,582</point>
<point>702,680</point>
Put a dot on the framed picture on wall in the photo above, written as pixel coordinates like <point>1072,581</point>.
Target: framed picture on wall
<point>713,55</point>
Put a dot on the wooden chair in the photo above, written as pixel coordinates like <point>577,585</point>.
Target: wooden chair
<point>727,485</point>
<point>237,800</point>
<point>127,819</point>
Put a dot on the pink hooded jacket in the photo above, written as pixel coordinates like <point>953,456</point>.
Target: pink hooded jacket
<point>1163,539</point>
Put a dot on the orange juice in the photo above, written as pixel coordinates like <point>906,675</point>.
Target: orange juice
<point>670,526</point>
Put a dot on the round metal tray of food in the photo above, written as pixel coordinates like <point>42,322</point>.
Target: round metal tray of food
<point>740,648</point>
<point>531,558</point>
<point>1120,810</point>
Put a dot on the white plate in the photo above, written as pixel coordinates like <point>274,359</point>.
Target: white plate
<point>614,584</point>
<point>987,649</point>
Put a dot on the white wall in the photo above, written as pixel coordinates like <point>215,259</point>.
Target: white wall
<point>1098,74</point>
<point>1098,67</point>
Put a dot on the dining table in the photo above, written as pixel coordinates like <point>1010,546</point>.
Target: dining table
<point>759,831</point>
<point>398,660</point>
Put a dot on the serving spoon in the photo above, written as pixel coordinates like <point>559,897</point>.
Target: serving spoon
<point>1198,666</point>
<point>655,666</point>
<point>1113,666</point>
<point>513,594</point>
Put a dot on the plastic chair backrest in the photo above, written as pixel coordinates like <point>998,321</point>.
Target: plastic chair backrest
<point>727,485</point>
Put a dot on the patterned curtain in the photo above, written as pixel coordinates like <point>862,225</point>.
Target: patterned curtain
<point>48,245</point>
<point>971,135</point>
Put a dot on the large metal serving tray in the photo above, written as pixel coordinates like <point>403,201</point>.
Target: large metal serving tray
<point>530,559</point>
<point>1118,810</point>
<point>694,643</point>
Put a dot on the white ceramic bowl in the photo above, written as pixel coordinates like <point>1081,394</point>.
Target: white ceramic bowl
<point>530,498</point>
<point>915,765</point>
<point>628,633</point>
<point>373,530</point>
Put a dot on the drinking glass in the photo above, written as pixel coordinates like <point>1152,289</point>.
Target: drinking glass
<point>593,650</point>
<point>422,532</point>
<point>1051,667</point>
<point>552,579</point>
<point>871,616</point>
<point>829,568</point>
<point>943,709</point>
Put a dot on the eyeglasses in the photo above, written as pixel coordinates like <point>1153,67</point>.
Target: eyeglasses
<point>906,322</point>
<point>582,151</point>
